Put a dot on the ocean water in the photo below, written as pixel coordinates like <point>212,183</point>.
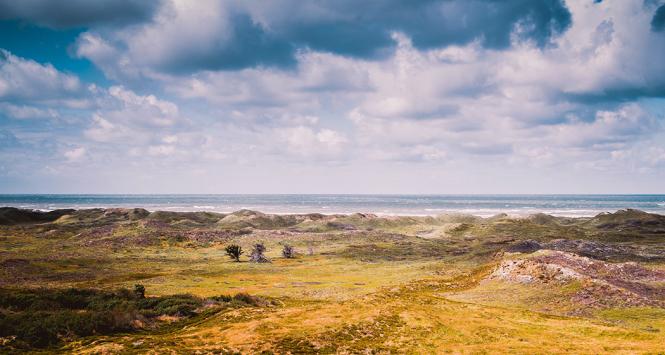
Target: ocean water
<point>481,205</point>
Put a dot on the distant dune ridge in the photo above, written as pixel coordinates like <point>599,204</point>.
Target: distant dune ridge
<point>626,218</point>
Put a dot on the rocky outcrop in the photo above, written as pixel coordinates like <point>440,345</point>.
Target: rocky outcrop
<point>593,249</point>
<point>602,284</point>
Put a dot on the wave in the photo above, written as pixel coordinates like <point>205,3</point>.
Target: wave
<point>389,205</point>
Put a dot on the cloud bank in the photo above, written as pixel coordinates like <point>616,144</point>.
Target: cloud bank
<point>431,96</point>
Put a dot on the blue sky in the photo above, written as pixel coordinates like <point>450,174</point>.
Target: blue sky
<point>290,96</point>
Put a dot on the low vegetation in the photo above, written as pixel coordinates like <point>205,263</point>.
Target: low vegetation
<point>288,251</point>
<point>47,317</point>
<point>133,281</point>
<point>258,254</point>
<point>234,252</point>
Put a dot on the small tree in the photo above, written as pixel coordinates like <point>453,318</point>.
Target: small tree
<point>288,251</point>
<point>257,255</point>
<point>234,251</point>
<point>139,291</point>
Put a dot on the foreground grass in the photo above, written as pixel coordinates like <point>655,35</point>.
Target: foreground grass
<point>416,317</point>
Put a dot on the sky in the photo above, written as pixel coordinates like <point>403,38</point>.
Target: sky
<point>332,96</point>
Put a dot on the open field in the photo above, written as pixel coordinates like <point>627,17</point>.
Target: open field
<point>358,283</point>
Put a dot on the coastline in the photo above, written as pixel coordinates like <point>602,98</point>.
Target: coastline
<point>512,214</point>
<point>380,205</point>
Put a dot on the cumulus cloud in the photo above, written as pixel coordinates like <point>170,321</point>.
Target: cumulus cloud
<point>102,130</point>
<point>123,115</point>
<point>464,88</point>
<point>23,112</point>
<point>608,128</point>
<point>146,109</point>
<point>306,142</point>
<point>26,80</point>
<point>481,101</point>
<point>527,102</point>
<point>215,35</point>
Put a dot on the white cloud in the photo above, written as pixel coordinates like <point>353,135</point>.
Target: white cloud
<point>609,128</point>
<point>23,112</point>
<point>124,116</point>
<point>170,139</point>
<point>75,154</point>
<point>306,142</point>
<point>107,57</point>
<point>26,80</point>
<point>102,130</point>
<point>146,109</point>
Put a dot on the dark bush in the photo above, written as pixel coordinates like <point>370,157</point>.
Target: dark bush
<point>174,305</point>
<point>234,251</point>
<point>288,251</point>
<point>43,328</point>
<point>247,299</point>
<point>139,291</point>
<point>222,298</point>
<point>45,317</point>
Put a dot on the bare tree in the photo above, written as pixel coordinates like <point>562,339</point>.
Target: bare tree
<point>288,251</point>
<point>257,254</point>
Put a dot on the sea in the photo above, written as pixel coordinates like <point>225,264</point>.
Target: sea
<point>406,205</point>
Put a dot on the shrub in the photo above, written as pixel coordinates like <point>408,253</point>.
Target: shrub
<point>174,305</point>
<point>48,328</point>
<point>44,317</point>
<point>257,255</point>
<point>234,251</point>
<point>288,251</point>
<point>139,291</point>
<point>222,298</point>
<point>247,299</point>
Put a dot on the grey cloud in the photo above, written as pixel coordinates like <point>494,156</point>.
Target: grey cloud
<point>617,95</point>
<point>363,29</point>
<point>78,13</point>
<point>270,34</point>
<point>658,21</point>
<point>252,46</point>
